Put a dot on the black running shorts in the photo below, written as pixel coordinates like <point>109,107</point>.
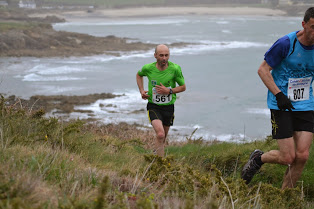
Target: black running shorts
<point>284,123</point>
<point>165,113</point>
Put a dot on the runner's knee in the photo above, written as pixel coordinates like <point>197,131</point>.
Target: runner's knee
<point>302,156</point>
<point>288,159</point>
<point>161,136</point>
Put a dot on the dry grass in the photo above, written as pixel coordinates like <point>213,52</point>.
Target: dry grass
<point>124,132</point>
<point>25,188</point>
<point>45,163</point>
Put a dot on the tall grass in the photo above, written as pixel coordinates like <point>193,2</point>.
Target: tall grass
<point>50,163</point>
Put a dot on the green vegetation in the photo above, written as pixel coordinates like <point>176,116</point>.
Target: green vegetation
<point>16,19</point>
<point>50,163</point>
<point>4,26</point>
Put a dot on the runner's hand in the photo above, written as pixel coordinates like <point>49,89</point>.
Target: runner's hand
<point>283,102</point>
<point>161,89</point>
<point>144,95</point>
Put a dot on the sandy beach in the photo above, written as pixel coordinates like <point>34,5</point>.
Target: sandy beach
<point>161,11</point>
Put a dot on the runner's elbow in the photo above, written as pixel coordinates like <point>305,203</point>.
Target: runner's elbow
<point>261,72</point>
<point>138,77</point>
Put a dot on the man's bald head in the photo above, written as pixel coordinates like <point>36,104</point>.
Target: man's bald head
<point>162,55</point>
<point>161,47</point>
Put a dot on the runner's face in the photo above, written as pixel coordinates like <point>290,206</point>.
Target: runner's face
<point>309,30</point>
<point>162,56</point>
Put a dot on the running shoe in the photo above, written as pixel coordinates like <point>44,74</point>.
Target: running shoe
<point>251,167</point>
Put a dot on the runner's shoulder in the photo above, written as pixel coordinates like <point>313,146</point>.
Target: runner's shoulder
<point>174,65</point>
<point>278,51</point>
<point>149,65</point>
<point>282,44</point>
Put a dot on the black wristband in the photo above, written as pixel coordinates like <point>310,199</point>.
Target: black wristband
<point>283,102</point>
<point>280,95</point>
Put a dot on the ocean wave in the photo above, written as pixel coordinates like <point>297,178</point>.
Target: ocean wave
<point>206,46</point>
<point>129,107</point>
<point>226,31</point>
<point>125,102</point>
<point>232,44</point>
<point>199,47</point>
<point>258,111</point>
<point>222,22</point>
<point>35,77</point>
<point>198,132</point>
<point>43,69</point>
<point>55,89</point>
<point>109,58</point>
<point>122,22</point>
<point>229,137</point>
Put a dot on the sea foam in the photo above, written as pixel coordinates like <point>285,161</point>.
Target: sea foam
<point>123,22</point>
<point>35,77</point>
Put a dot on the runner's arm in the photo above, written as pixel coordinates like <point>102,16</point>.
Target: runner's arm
<point>267,78</point>
<point>179,89</point>
<point>140,84</point>
<point>161,89</point>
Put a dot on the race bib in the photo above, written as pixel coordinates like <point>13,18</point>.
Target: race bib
<point>161,98</point>
<point>299,89</point>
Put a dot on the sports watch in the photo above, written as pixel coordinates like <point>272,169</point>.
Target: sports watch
<point>170,92</point>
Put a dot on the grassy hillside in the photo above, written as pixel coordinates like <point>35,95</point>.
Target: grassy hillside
<point>50,163</point>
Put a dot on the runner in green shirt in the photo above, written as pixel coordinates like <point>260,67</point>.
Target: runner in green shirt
<point>162,78</point>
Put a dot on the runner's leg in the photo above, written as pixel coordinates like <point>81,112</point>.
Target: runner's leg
<point>166,128</point>
<point>284,156</point>
<point>303,140</point>
<point>160,137</point>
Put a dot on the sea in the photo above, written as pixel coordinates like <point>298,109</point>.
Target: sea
<point>225,99</point>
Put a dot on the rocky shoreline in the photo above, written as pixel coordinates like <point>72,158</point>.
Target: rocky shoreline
<point>24,36</point>
<point>57,104</point>
<point>29,32</point>
<point>43,41</point>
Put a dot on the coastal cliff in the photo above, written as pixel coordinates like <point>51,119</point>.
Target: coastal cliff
<point>28,36</point>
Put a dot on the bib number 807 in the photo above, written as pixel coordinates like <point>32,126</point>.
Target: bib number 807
<point>299,89</point>
<point>298,93</point>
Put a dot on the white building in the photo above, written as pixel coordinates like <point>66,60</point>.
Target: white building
<point>285,2</point>
<point>27,4</point>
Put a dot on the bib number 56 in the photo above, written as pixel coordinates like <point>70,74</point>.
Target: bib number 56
<point>162,98</point>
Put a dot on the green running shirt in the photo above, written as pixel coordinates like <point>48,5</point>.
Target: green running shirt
<point>168,77</point>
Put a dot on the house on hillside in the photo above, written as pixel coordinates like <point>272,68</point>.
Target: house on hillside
<point>285,2</point>
<point>29,4</point>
